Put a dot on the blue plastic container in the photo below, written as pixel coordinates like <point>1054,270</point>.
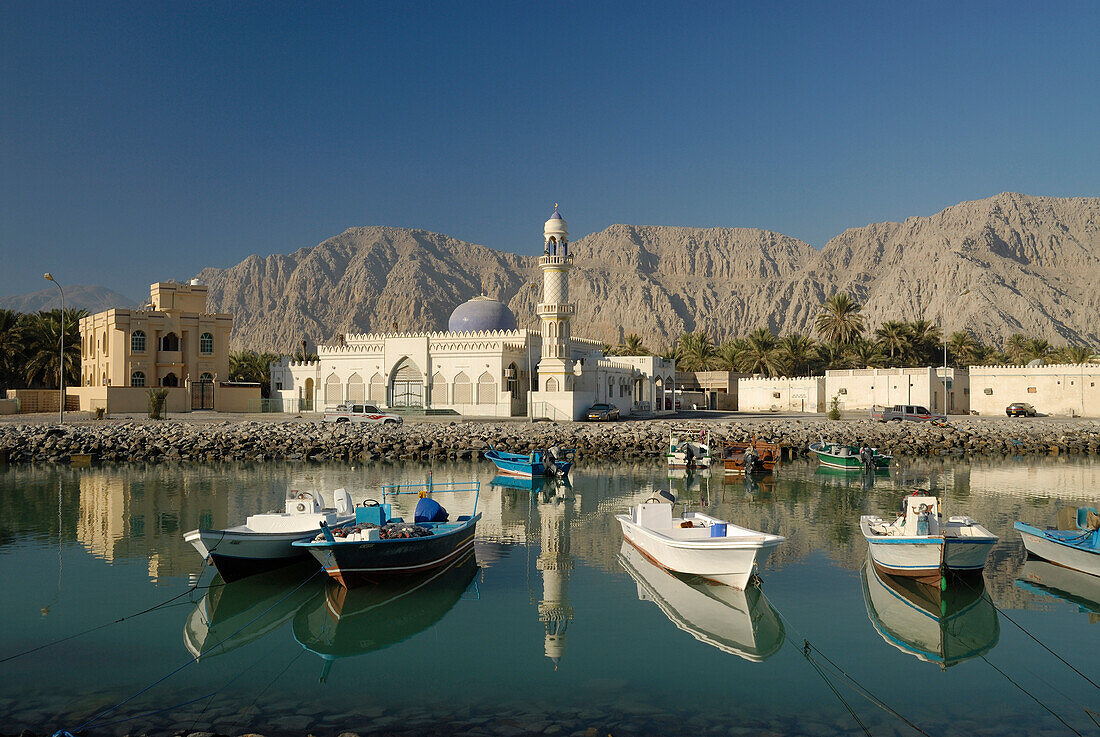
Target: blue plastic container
<point>718,529</point>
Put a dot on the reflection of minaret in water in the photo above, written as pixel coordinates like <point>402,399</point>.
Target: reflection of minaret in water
<point>555,562</point>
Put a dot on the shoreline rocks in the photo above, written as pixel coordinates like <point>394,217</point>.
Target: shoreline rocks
<point>281,440</point>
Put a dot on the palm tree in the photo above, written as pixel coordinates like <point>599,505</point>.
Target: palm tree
<point>252,366</point>
<point>11,348</point>
<point>760,355</point>
<point>963,347</point>
<point>832,355</point>
<point>924,338</point>
<point>1016,347</point>
<point>840,319</point>
<point>632,345</point>
<point>865,353</point>
<point>674,354</point>
<point>42,348</point>
<point>893,336</point>
<point>798,352</point>
<point>729,354</point>
<point>1036,348</point>
<point>698,352</point>
<point>1075,354</point>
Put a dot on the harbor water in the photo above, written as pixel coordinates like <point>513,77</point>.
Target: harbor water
<point>110,622</point>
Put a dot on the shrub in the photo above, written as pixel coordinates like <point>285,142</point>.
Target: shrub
<point>157,398</point>
<point>834,407</point>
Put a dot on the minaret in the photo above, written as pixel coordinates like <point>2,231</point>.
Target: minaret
<point>555,562</point>
<point>555,309</point>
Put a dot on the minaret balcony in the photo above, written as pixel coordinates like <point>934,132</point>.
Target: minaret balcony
<point>555,260</point>
<point>546,309</point>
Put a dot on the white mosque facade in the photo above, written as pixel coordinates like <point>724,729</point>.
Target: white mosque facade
<point>484,365</point>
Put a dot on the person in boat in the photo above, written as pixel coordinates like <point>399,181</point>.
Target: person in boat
<point>866,456</point>
<point>749,459</point>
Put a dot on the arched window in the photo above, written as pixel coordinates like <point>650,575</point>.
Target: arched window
<point>464,391</point>
<point>357,390</point>
<point>206,343</point>
<point>206,376</point>
<point>407,385</point>
<point>137,378</point>
<point>439,389</point>
<point>170,342</point>
<point>137,341</point>
<point>170,380</point>
<point>377,389</point>
<point>551,384</point>
<point>610,387</point>
<point>486,389</point>
<point>334,391</point>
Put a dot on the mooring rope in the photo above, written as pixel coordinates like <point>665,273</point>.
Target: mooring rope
<point>833,688</point>
<point>1032,696</point>
<point>190,661</point>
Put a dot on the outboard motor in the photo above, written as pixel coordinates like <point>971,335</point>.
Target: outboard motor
<point>750,459</point>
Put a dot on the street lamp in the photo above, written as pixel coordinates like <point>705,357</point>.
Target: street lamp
<point>61,407</point>
<point>943,326</point>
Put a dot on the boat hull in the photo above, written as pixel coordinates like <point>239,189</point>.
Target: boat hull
<point>848,462</point>
<point>359,563</point>
<point>924,558</point>
<point>1042,545</point>
<point>237,555</point>
<point>725,560</point>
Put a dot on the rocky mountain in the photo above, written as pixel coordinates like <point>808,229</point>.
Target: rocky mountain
<point>77,296</point>
<point>1010,263</point>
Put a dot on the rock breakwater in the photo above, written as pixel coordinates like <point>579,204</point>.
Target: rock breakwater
<point>174,441</point>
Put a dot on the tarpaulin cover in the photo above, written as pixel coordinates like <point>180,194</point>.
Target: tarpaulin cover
<point>429,510</point>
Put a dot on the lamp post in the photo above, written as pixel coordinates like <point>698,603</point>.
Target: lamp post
<point>943,326</point>
<point>61,407</point>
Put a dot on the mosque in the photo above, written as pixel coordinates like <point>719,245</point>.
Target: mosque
<point>484,365</point>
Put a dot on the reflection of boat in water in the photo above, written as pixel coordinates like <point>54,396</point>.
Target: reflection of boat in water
<point>742,623</point>
<point>937,626</point>
<point>535,483</point>
<point>348,622</point>
<point>1047,579</point>
<point>238,613</point>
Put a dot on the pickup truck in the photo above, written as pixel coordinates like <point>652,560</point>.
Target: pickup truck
<point>367,413</point>
<point>905,412</point>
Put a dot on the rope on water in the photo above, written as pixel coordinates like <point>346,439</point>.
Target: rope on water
<point>1040,643</point>
<point>1032,696</point>
<point>833,688</point>
<point>100,626</point>
<point>105,712</point>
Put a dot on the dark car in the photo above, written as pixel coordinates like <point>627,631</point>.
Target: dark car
<point>602,413</point>
<point>1020,409</point>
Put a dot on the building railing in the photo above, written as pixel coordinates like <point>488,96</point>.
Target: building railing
<point>555,260</point>
<point>275,404</point>
<point>550,308</point>
<point>547,411</point>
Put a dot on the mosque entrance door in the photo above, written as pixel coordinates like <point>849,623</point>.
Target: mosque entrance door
<point>408,386</point>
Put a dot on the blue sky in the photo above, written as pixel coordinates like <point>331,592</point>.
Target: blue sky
<point>145,141</point>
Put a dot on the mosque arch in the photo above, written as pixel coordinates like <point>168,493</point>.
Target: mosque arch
<point>486,389</point>
<point>169,342</point>
<point>334,390</point>
<point>406,385</point>
<point>551,384</point>
<point>357,389</point>
<point>439,389</point>
<point>464,390</point>
<point>377,389</point>
<point>511,376</point>
<point>307,400</point>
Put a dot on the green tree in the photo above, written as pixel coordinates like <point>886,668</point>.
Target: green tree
<point>963,347</point>
<point>1016,348</point>
<point>924,342</point>
<point>1075,354</point>
<point>253,367</point>
<point>1036,348</point>
<point>798,353</point>
<point>632,345</point>
<point>698,352</point>
<point>865,353</point>
<point>760,355</point>
<point>11,349</point>
<point>840,319</point>
<point>729,354</point>
<point>893,337</point>
<point>833,355</point>
<point>42,348</point>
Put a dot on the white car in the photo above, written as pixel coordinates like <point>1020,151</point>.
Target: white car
<point>361,413</point>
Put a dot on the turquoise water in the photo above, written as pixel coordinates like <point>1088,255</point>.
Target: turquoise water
<point>555,627</point>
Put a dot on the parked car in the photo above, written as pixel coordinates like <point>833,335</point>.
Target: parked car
<point>1020,409</point>
<point>905,412</point>
<point>602,413</point>
<point>361,413</point>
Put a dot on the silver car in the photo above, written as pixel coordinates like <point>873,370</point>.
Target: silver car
<point>361,413</point>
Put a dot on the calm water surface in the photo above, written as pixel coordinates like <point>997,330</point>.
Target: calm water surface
<point>555,622</point>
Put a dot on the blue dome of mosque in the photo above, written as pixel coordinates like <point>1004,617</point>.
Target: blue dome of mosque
<point>481,314</point>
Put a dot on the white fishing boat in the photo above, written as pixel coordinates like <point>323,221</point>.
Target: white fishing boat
<point>742,623</point>
<point>264,541</point>
<point>1077,548</point>
<point>688,447</point>
<point>696,543</point>
<point>920,544</point>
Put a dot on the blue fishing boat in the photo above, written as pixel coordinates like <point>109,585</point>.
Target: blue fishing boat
<point>1077,548</point>
<point>378,546</point>
<point>550,462</point>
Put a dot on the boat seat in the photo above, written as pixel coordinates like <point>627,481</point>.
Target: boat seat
<point>654,516</point>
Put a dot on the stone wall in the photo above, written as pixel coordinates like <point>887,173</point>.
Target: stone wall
<point>1071,390</point>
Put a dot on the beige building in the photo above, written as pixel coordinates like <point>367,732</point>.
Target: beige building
<point>1072,390</point>
<point>172,342</point>
<point>708,389</point>
<point>781,394</point>
<point>857,389</point>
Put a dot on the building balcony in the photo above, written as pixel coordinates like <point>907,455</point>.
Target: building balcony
<point>562,308</point>
<point>555,260</point>
<point>169,358</point>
